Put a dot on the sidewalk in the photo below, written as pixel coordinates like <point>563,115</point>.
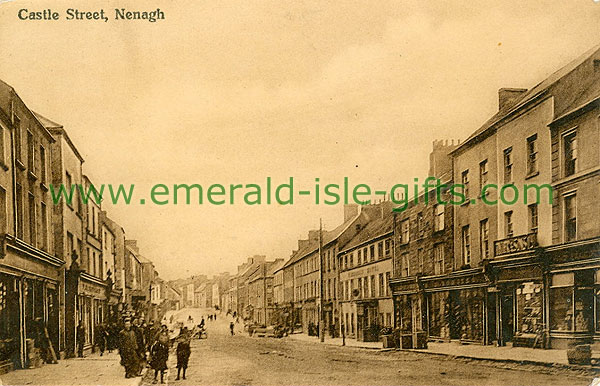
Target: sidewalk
<point>91,370</point>
<point>521,355</point>
<point>501,354</point>
<point>337,341</point>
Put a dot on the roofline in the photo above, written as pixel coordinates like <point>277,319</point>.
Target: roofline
<point>12,89</point>
<point>391,232</point>
<point>589,105</point>
<point>492,126</point>
<point>61,131</point>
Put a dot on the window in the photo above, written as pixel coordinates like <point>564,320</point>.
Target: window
<point>420,225</point>
<point>359,258</point>
<point>2,151</point>
<point>508,224</point>
<point>483,174</point>
<point>3,212</point>
<point>365,255</point>
<point>508,162</point>
<point>388,247</point>
<point>404,231</point>
<point>381,285</point>
<point>438,259</point>
<point>30,152</point>
<point>438,221</point>
<point>17,125</point>
<point>570,218</point>
<point>360,288</point>
<point>43,172</point>
<point>532,154</point>
<point>372,286</point>
<point>19,202</point>
<point>380,249</point>
<point>32,220</point>
<point>465,183</point>
<point>387,284</point>
<point>405,265</point>
<point>533,218</point>
<point>420,259</point>
<point>466,245</point>
<point>570,153</point>
<point>484,241</point>
<point>372,252</point>
<point>346,262</point>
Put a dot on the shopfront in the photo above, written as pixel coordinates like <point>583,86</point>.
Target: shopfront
<point>29,307</point>
<point>574,307</point>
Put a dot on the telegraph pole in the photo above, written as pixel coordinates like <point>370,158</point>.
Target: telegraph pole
<point>321,313</point>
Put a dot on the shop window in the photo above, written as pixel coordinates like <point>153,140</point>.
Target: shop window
<point>572,302</point>
<point>529,308</point>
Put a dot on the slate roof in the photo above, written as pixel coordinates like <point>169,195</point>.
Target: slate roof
<point>537,91</point>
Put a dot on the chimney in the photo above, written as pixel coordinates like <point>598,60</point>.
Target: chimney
<point>302,244</point>
<point>440,162</point>
<point>313,235</point>
<point>350,211</point>
<point>508,96</point>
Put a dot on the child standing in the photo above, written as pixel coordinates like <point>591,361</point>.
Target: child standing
<point>160,355</point>
<point>183,352</point>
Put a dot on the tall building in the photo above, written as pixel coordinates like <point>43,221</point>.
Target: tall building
<point>31,275</point>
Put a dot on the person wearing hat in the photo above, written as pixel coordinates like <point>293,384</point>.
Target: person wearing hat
<point>160,354</point>
<point>183,351</point>
<point>128,350</point>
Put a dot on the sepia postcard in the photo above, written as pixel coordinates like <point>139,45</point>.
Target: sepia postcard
<point>299,192</point>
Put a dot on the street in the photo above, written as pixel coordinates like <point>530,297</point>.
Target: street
<point>242,360</point>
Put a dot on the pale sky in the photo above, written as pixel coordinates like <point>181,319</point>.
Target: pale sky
<point>235,91</point>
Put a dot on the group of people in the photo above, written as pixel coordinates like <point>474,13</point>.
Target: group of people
<point>137,340</point>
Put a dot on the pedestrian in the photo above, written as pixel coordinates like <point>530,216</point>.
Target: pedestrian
<point>101,337</point>
<point>160,354</point>
<point>141,343</point>
<point>80,339</point>
<point>183,352</point>
<point>128,350</point>
<point>231,325</point>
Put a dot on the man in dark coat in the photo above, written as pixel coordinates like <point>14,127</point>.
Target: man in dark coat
<point>183,352</point>
<point>80,339</point>
<point>141,342</point>
<point>128,350</point>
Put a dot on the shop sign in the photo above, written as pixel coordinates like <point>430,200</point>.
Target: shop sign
<point>515,244</point>
<point>91,290</point>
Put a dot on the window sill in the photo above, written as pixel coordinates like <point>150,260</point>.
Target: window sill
<point>3,166</point>
<point>43,186</point>
<point>533,174</point>
<point>19,164</point>
<point>32,175</point>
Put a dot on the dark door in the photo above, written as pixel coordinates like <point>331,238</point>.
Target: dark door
<point>508,316</point>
